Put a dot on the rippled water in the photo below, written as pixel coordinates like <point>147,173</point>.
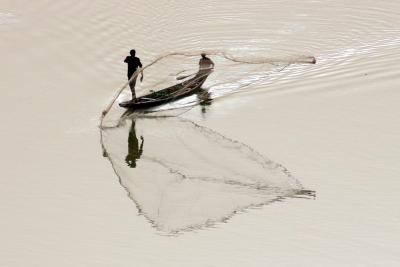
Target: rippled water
<point>332,124</point>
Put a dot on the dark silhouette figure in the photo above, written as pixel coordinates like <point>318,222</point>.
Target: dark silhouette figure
<point>206,66</point>
<point>134,151</point>
<point>133,64</point>
<point>205,63</point>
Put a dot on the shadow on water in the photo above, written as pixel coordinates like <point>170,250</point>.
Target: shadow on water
<point>190,177</point>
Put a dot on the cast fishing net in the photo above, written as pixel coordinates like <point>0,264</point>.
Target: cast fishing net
<point>183,176</point>
<point>232,74</point>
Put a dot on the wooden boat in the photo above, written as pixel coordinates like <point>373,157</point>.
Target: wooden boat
<point>168,94</point>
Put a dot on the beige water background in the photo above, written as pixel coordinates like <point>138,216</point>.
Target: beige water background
<point>334,125</point>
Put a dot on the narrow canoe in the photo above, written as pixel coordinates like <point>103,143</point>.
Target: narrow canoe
<point>168,94</point>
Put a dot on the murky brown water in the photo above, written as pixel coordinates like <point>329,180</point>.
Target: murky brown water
<point>333,125</point>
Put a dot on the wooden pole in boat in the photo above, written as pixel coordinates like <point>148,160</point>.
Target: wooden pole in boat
<point>185,76</point>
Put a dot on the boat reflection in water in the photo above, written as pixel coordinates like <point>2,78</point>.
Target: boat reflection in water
<point>134,149</point>
<point>204,98</point>
<point>189,177</point>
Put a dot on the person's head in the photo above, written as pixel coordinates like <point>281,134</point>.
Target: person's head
<point>203,55</point>
<point>133,52</point>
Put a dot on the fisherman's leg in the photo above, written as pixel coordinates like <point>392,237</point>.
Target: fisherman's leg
<point>132,85</point>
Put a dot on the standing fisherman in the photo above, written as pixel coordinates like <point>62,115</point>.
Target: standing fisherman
<point>133,64</point>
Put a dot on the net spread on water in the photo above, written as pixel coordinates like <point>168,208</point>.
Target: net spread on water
<point>183,176</point>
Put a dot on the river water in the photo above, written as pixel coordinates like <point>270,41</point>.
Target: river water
<point>288,165</point>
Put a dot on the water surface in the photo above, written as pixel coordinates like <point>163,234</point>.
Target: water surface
<point>333,125</point>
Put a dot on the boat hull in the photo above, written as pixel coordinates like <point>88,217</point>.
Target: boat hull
<point>169,94</point>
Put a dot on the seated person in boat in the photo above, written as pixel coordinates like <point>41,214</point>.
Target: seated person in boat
<point>133,64</point>
<point>205,64</point>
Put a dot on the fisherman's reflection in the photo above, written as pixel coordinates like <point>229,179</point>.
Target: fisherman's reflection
<point>134,151</point>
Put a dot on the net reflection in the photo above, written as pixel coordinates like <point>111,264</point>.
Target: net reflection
<point>190,177</point>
